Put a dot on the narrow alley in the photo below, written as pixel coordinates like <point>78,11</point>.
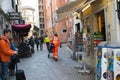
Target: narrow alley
<point>40,67</point>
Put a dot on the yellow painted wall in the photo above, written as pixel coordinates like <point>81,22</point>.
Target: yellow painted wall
<point>91,11</point>
<point>110,12</point>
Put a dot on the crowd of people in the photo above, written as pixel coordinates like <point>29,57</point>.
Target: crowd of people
<point>9,53</point>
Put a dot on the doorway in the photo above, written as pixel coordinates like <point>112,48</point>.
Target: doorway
<point>77,27</point>
<point>101,24</point>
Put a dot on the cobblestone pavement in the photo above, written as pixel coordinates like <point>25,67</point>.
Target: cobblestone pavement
<point>40,67</point>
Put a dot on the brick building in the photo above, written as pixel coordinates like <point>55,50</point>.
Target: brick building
<point>52,22</point>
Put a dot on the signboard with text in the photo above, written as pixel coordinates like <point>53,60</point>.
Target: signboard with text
<point>14,15</point>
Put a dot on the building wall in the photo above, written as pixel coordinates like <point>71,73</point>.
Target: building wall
<point>51,24</point>
<point>47,17</point>
<point>60,26</point>
<point>62,2</point>
<point>64,24</point>
<point>6,6</point>
<point>116,22</point>
<point>28,16</point>
<point>41,17</point>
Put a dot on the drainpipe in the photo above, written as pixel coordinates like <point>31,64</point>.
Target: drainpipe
<point>52,16</point>
<point>73,39</point>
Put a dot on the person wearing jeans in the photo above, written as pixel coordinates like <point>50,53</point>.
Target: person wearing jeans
<point>5,53</point>
<point>47,41</point>
<point>4,67</point>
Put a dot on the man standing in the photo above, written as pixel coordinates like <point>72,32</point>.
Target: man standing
<point>5,53</point>
<point>55,40</point>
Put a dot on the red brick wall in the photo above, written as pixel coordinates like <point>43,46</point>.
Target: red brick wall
<point>58,27</point>
<point>47,17</point>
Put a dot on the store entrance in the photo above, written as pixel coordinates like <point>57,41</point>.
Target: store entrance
<point>99,30</point>
<point>101,24</point>
<point>77,26</point>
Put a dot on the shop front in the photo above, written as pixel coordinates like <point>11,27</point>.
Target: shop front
<point>20,31</point>
<point>98,26</point>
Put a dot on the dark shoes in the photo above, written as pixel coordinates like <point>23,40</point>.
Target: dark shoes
<point>11,73</point>
<point>55,59</point>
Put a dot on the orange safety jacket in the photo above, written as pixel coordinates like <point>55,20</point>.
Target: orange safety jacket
<point>55,40</point>
<point>5,51</point>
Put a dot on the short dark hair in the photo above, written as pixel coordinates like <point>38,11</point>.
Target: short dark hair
<point>7,31</point>
<point>55,34</point>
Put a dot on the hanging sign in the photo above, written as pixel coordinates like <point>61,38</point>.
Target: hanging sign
<point>14,15</point>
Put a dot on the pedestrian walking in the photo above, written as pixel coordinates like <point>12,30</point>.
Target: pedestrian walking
<point>55,40</point>
<point>31,43</point>
<point>41,41</point>
<point>5,52</point>
<point>37,42</point>
<point>47,41</point>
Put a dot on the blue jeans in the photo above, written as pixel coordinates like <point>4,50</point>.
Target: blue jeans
<point>4,67</point>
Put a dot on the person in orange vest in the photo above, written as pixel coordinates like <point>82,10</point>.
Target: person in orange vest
<point>55,40</point>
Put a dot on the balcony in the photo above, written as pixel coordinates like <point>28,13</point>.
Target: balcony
<point>41,17</point>
<point>40,10</point>
<point>41,23</point>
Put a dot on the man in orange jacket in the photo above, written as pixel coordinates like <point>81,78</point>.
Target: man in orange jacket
<point>55,40</point>
<point>5,52</point>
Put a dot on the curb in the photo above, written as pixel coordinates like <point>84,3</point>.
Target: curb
<point>70,51</point>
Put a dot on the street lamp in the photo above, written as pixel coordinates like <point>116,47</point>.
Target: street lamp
<point>118,8</point>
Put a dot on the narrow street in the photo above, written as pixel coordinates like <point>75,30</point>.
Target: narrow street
<point>40,67</point>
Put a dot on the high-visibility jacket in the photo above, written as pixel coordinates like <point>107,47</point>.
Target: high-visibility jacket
<point>55,41</point>
<point>5,51</point>
<point>47,39</point>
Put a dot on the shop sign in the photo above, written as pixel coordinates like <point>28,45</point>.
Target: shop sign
<point>14,15</point>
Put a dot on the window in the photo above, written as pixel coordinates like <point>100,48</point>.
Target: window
<point>42,32</point>
<point>13,4</point>
<point>40,1</point>
<point>64,31</point>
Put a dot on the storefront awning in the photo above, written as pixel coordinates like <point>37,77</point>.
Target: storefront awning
<point>22,29</point>
<point>21,26</point>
